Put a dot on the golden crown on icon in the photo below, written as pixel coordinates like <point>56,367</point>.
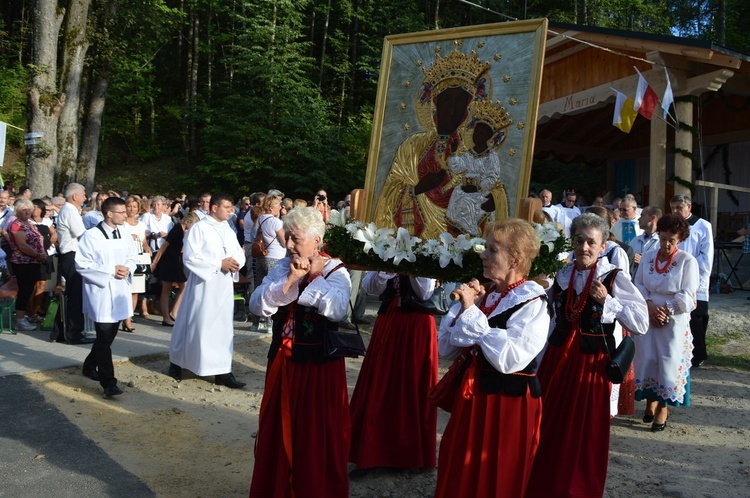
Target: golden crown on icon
<point>493,114</point>
<point>456,70</point>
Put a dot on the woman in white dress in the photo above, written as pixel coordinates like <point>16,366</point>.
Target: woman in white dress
<point>137,230</point>
<point>668,281</point>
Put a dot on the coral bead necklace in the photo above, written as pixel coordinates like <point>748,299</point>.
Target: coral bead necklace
<point>667,264</point>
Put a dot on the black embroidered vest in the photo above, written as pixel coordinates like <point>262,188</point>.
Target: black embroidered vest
<point>590,338</point>
<point>307,340</point>
<point>390,293</point>
<point>492,381</point>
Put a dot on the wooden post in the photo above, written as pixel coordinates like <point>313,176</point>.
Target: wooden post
<point>657,176</point>
<point>683,140</point>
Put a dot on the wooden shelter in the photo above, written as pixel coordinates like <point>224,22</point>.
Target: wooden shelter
<point>581,66</point>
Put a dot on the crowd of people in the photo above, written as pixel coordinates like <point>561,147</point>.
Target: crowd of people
<point>531,401</point>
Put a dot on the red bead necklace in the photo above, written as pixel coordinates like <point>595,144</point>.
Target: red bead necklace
<point>574,304</point>
<point>664,269</point>
<point>488,310</point>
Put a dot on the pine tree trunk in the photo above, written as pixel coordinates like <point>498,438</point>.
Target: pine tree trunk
<point>75,46</point>
<point>45,101</point>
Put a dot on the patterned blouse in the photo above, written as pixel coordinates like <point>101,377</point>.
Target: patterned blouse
<point>34,239</point>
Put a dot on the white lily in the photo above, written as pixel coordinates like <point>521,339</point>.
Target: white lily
<point>373,237</point>
<point>450,250</point>
<point>430,248</point>
<point>547,234</point>
<point>400,248</point>
<point>351,228</point>
<point>337,218</point>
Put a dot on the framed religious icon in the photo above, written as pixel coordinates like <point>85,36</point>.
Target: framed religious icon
<point>453,131</point>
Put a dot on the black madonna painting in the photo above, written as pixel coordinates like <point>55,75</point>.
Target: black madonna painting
<point>454,125</point>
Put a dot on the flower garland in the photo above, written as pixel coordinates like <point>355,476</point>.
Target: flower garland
<point>447,258</point>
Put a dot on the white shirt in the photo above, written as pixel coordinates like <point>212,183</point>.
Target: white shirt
<point>69,228</point>
<point>155,226</point>
<point>643,244</point>
<point>510,349</point>
<point>700,245</point>
<point>92,218</point>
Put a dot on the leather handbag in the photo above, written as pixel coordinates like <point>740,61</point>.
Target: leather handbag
<point>444,392</point>
<point>258,249</point>
<point>340,344</point>
<point>620,361</point>
<point>434,305</point>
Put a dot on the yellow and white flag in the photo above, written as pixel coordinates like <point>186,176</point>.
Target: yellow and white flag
<point>624,112</point>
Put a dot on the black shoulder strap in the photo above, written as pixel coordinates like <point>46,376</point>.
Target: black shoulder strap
<point>340,265</point>
<point>101,228</point>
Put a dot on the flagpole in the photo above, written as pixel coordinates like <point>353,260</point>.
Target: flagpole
<point>15,127</point>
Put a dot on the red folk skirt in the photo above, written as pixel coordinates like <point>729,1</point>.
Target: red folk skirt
<point>302,445</point>
<point>393,425</point>
<point>574,446</point>
<point>489,443</point>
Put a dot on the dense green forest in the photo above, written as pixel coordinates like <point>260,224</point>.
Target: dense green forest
<point>191,95</point>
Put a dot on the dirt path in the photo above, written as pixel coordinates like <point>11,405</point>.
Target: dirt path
<point>194,439</point>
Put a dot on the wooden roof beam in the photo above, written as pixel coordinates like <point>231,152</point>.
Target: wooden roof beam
<point>561,38</point>
<point>705,82</point>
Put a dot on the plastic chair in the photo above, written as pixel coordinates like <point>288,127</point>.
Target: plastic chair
<point>8,293</point>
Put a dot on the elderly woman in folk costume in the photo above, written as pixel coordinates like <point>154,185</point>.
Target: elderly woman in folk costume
<point>490,440</point>
<point>415,194</point>
<point>668,280</point>
<point>303,428</point>
<point>589,295</point>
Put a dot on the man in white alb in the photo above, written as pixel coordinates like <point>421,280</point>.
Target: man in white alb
<point>203,335</point>
<point>700,244</point>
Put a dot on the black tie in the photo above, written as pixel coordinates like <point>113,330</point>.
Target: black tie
<point>116,234</point>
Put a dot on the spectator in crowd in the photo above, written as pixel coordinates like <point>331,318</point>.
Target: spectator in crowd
<point>271,231</point>
<point>242,210</point>
<point>69,229</point>
<point>598,201</point>
<point>157,223</point>
<point>700,244</point>
<point>27,256</point>
<point>300,203</point>
<point>168,267</point>
<point>24,192</point>
<point>94,216</point>
<point>137,230</point>
<point>668,282</point>
<point>6,213</point>
<point>320,202</point>
<point>47,270</point>
<point>205,202</point>
<point>106,260</point>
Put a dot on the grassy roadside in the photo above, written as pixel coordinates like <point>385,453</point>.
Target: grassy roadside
<point>720,351</point>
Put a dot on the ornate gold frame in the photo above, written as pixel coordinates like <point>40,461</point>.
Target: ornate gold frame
<point>515,51</point>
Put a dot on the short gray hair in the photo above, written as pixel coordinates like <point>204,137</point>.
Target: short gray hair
<point>22,203</point>
<point>590,220</point>
<point>681,199</point>
<point>307,219</point>
<point>73,188</point>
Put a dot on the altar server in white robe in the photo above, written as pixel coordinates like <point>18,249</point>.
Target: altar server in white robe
<point>106,261</point>
<point>203,336</point>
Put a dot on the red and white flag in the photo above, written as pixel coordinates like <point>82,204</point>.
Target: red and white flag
<point>645,97</point>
